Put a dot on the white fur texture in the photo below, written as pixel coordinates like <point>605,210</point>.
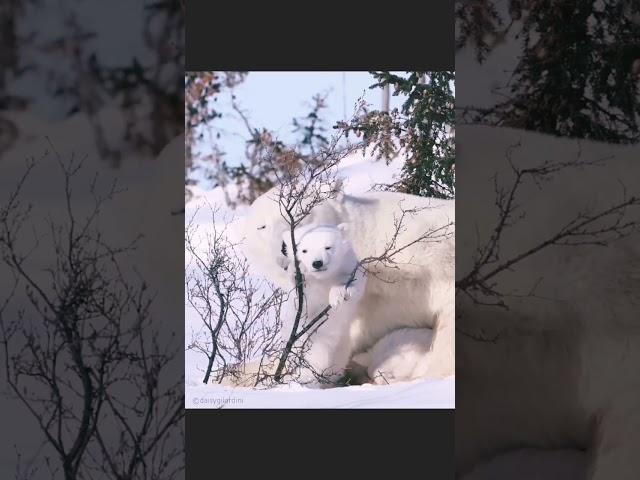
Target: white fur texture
<point>416,291</point>
<point>334,281</point>
<point>563,370</point>
<point>399,356</point>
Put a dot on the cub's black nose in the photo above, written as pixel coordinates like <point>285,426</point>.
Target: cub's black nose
<point>317,264</point>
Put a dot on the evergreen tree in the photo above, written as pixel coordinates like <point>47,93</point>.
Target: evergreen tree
<point>423,126</point>
<point>579,68</point>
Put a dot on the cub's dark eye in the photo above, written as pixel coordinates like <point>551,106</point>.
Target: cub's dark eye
<point>284,249</point>
<point>327,248</point>
<point>262,227</point>
<point>304,251</point>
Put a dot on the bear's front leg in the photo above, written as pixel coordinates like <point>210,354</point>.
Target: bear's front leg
<point>318,363</point>
<point>355,288</point>
<point>326,359</point>
<point>337,295</point>
<point>353,291</point>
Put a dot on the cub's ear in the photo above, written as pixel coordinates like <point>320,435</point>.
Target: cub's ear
<point>343,227</point>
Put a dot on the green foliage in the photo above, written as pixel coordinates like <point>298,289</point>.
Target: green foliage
<point>578,71</point>
<point>311,128</point>
<point>423,127</point>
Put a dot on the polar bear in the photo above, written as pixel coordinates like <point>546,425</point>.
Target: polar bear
<point>326,257</point>
<point>331,277</point>
<point>399,356</point>
<point>415,289</point>
<point>556,369</point>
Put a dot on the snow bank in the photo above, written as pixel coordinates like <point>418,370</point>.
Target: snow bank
<point>416,394</point>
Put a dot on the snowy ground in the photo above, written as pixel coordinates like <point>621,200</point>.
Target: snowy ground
<point>359,173</point>
<point>416,394</point>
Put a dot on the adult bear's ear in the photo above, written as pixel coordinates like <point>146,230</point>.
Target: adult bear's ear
<point>343,227</point>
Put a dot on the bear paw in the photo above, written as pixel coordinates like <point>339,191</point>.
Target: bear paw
<point>338,295</point>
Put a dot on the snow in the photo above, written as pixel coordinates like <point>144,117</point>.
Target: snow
<point>359,171</point>
<point>417,394</point>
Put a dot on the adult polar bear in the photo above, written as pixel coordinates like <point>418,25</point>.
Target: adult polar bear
<point>416,290</point>
<point>560,378</point>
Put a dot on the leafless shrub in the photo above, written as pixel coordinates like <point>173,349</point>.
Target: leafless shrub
<point>240,316</point>
<point>387,259</point>
<point>586,227</point>
<point>81,350</point>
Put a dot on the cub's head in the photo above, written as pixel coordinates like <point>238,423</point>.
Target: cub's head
<point>321,249</point>
<point>264,231</point>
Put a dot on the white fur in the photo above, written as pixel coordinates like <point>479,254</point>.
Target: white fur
<point>399,356</point>
<point>416,291</point>
<point>563,372</point>
<point>337,282</point>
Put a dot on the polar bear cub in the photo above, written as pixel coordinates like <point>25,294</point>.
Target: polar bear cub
<point>332,277</point>
<point>326,256</point>
<point>401,355</point>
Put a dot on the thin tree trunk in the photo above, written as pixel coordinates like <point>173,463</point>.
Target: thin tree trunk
<point>385,98</point>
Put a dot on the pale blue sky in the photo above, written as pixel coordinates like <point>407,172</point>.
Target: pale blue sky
<point>273,99</point>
